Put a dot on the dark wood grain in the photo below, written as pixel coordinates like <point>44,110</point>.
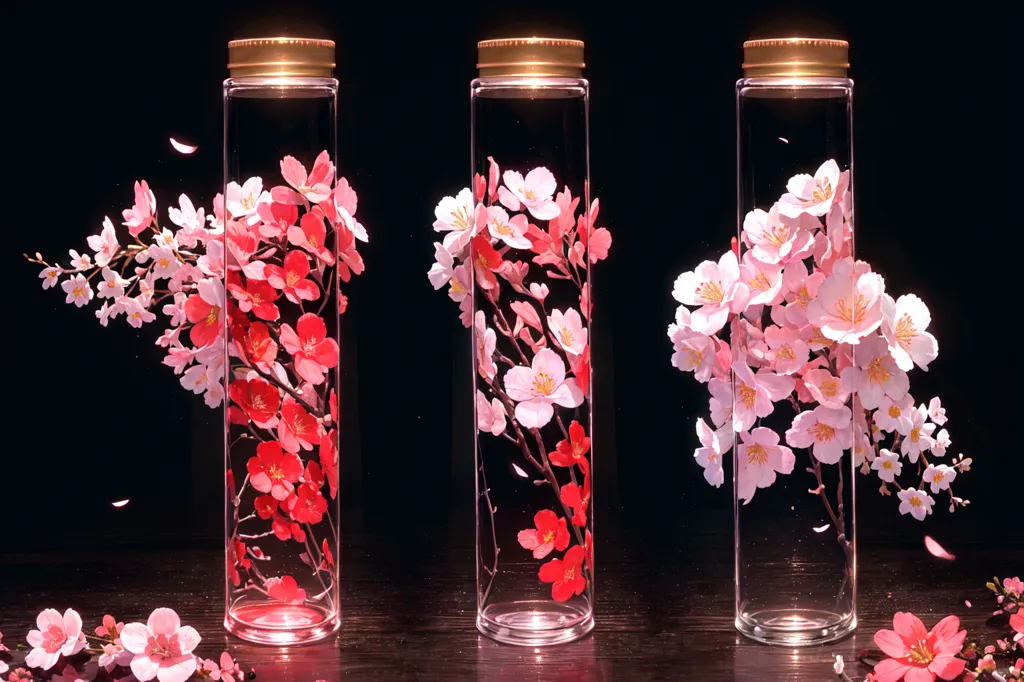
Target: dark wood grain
<point>664,611</point>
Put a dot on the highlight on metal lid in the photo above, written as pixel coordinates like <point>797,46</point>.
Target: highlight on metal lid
<point>533,56</point>
<point>281,56</point>
<point>795,57</point>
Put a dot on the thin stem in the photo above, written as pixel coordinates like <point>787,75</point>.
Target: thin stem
<point>493,570</point>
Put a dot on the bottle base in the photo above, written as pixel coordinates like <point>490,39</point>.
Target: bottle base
<point>281,624</point>
<point>535,623</point>
<point>795,627</point>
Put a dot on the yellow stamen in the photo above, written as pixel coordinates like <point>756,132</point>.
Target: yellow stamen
<point>822,433</point>
<point>756,454</point>
<point>544,383</point>
<point>747,394</point>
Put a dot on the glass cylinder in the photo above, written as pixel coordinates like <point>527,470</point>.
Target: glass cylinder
<point>794,410</point>
<point>284,226</point>
<point>531,341</point>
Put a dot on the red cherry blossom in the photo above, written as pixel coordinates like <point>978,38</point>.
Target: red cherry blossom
<point>565,574</point>
<point>486,261</point>
<point>297,428</point>
<point>277,218</point>
<point>274,471</point>
<point>236,558</point>
<point>292,278</point>
<point>265,506</point>
<point>203,310</point>
<point>328,560</point>
<point>329,460</point>
<point>255,345</point>
<point>580,367</point>
<point>577,498</point>
<point>310,234</point>
<point>286,529</point>
<point>307,505</point>
<point>574,450</point>
<point>333,402</point>
<point>588,546</point>
<point>258,398</point>
<point>285,589</point>
<point>550,534</point>
<point>313,474</point>
<point>236,318</point>
<point>256,295</point>
<point>314,353</point>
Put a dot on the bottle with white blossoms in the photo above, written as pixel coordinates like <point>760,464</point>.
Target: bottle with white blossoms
<point>805,356</point>
<point>516,255</point>
<point>289,242</point>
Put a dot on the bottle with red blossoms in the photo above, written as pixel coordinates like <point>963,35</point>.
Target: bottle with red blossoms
<point>805,318</point>
<point>516,254</point>
<point>289,242</point>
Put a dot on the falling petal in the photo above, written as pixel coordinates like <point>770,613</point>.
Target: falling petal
<point>119,503</point>
<point>519,471</point>
<point>821,529</point>
<point>182,147</point>
<point>936,550</point>
<point>784,140</point>
<point>967,602</point>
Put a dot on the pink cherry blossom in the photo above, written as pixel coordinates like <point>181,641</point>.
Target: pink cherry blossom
<point>162,647</point>
<point>786,350</point>
<point>285,589</point>
<point>875,374</point>
<point>942,443</point>
<point>227,670</point>
<point>514,272</point>
<point>309,345</point>
<point>140,215</point>
<point>759,458</point>
<point>939,476</point>
<point>756,393</point>
<point>903,324</point>
<point>105,243</point>
<point>692,351</point>
<point>315,187</point>
<point>56,636</point>
<point>888,465</point>
<point>920,437</point>
<point>191,220</point>
<point>112,286</point>
<point>539,291</point>
<point>537,387</point>
<point>825,388</point>
<point>165,261</point>
<point>486,341</point>
<point>799,288</point>
<point>895,415</point>
<point>490,416</point>
<point>568,330</point>
<point>716,288</point>
<point>460,285</point>
<point>455,215</point>
<point>917,655</point>
<point>825,430</point>
<point>763,280</point>
<point>78,290</point>
<point>936,411</point>
<point>917,503</point>
<point>776,238</point>
<point>815,195</point>
<point>50,276</point>
<point>136,313</point>
<point>709,455</point>
<point>311,234</point>
<point>70,674</point>
<point>80,261</point>
<point>720,403</point>
<point>443,268</point>
<point>241,201</point>
<point>211,263</point>
<point>848,306</point>
<point>512,231</point>
<point>534,191</point>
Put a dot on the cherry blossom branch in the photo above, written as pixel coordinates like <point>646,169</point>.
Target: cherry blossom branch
<point>493,570</point>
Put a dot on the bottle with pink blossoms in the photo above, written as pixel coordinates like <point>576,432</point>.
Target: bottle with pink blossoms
<point>801,310</point>
<point>289,243</point>
<point>516,255</point>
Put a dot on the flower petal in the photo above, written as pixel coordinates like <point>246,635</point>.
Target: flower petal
<point>134,637</point>
<point>164,621</point>
<point>144,667</point>
<point>890,643</point>
<point>891,670</point>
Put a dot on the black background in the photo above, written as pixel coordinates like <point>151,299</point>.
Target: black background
<point>95,92</point>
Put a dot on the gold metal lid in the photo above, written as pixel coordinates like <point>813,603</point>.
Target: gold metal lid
<point>795,57</point>
<point>530,57</point>
<point>281,57</point>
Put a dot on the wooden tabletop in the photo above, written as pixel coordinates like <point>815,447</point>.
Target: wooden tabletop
<point>664,608</point>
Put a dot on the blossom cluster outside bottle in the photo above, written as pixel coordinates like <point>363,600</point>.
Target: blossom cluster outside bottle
<point>530,273</point>
<point>285,225</point>
<point>793,407</point>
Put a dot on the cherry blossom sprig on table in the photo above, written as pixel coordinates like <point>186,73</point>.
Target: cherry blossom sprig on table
<point>797,305</point>
<point>495,231</point>
<point>283,254</point>
<point>913,653</point>
<point>160,649</point>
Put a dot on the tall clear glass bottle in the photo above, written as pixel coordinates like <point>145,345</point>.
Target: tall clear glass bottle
<point>531,341</point>
<point>796,570</point>
<point>283,226</point>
